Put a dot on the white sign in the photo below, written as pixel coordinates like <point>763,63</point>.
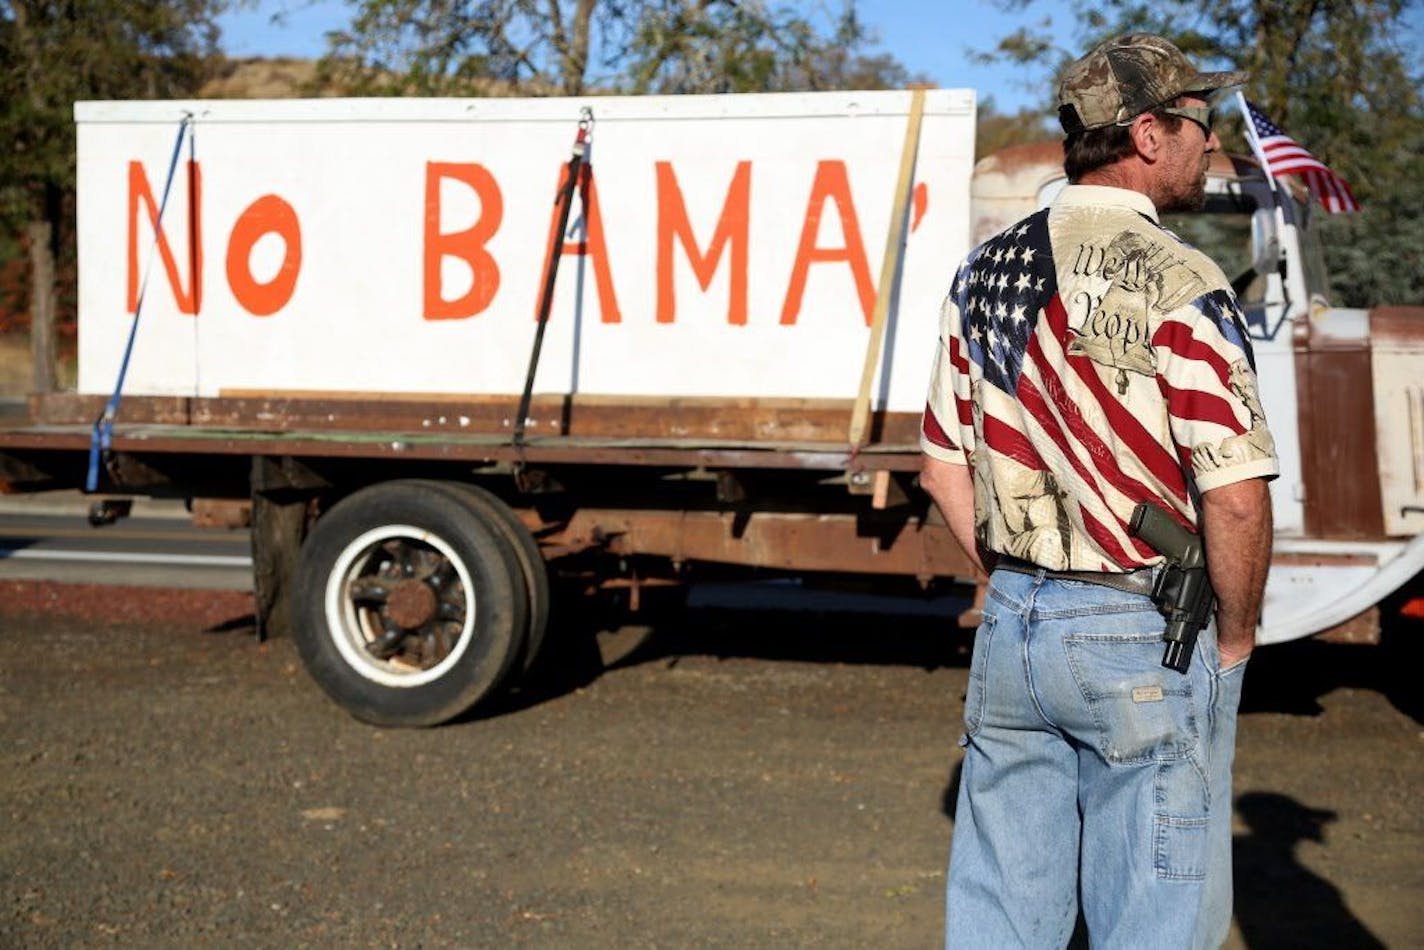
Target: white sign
<point>724,245</point>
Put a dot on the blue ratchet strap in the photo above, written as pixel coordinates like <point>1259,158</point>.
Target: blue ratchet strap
<point>102,438</point>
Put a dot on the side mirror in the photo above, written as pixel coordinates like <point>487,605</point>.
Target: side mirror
<point>1265,241</point>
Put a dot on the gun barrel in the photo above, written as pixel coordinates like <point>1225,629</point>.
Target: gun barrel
<point>1178,654</point>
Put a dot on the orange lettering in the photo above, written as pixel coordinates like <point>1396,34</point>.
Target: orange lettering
<point>468,245</point>
<point>831,184</point>
<point>190,300</point>
<point>267,215</point>
<point>593,245</point>
<point>731,227</point>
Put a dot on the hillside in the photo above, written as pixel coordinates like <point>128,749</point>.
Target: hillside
<point>262,78</point>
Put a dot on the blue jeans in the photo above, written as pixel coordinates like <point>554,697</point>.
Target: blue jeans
<point>1092,775</point>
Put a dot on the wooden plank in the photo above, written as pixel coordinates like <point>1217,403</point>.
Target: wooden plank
<point>889,267</point>
<point>466,448</point>
<point>692,420</point>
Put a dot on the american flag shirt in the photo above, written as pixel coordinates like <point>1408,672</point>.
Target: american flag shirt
<point>1089,360</point>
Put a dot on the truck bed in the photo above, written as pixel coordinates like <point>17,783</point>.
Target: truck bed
<point>758,483</point>
<point>752,433</point>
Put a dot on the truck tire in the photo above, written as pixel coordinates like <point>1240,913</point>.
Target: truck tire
<point>409,607</point>
<point>502,518</point>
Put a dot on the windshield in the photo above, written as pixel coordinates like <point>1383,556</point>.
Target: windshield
<point>1312,253</point>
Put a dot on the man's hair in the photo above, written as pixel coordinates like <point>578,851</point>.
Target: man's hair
<point>1088,151</point>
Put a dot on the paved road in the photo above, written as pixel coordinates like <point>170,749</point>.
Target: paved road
<point>711,777</point>
<point>48,537</point>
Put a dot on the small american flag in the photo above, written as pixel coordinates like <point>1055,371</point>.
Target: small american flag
<point>1283,155</point>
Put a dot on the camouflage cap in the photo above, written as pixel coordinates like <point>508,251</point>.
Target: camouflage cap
<point>1126,76</point>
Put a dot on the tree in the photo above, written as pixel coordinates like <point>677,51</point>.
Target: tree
<point>1377,256</point>
<point>571,47</point>
<point>1338,75</point>
<point>56,53</point>
<point>996,130</point>
<point>683,47</point>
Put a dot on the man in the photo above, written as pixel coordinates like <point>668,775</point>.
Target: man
<point>1090,361</point>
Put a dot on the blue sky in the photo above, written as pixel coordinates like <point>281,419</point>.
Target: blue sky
<point>930,37</point>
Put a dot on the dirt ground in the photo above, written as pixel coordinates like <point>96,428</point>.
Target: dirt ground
<point>705,778</point>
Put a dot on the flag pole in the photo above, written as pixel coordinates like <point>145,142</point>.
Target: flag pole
<point>1281,195</point>
<point>1253,140</point>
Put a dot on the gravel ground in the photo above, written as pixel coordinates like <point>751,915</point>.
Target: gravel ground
<point>713,778</point>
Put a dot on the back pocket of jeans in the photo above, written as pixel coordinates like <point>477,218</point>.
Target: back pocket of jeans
<point>1141,711</point>
<point>974,694</point>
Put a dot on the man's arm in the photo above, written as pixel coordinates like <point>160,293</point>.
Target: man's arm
<point>952,487</point>
<point>1236,531</point>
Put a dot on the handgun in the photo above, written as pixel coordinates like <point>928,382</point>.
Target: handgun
<point>1182,590</point>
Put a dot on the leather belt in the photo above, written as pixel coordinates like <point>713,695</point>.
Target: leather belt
<point>1133,582</point>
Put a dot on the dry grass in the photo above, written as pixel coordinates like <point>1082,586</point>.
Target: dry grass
<point>259,78</point>
<point>281,77</point>
<point>16,370</point>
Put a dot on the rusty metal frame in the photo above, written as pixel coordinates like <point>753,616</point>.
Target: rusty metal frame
<point>773,540</point>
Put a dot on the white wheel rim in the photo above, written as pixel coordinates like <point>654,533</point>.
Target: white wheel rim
<point>352,626</point>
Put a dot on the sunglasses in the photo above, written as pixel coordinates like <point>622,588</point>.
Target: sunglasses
<point>1201,115</point>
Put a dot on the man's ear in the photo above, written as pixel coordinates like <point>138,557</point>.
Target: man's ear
<point>1146,134</point>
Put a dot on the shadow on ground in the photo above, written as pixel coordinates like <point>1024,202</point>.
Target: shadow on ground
<point>597,633</point>
<point>1285,903</point>
<point>594,634</point>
